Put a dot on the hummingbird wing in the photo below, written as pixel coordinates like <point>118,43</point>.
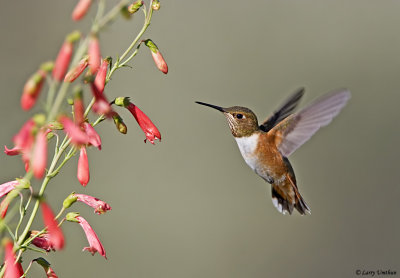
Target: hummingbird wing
<point>282,112</point>
<point>295,130</point>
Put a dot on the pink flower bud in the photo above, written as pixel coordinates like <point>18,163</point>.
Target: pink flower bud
<point>62,61</point>
<point>77,136</point>
<point>55,233</point>
<point>119,123</point>
<point>13,268</point>
<point>81,9</point>
<point>94,242</point>
<point>83,167</point>
<point>160,62</point>
<point>157,56</point>
<point>40,155</point>
<point>155,5</point>
<point>77,70</point>
<point>94,137</point>
<point>135,6</point>
<point>42,241</point>
<point>149,129</point>
<point>99,206</point>
<point>32,89</point>
<point>79,109</point>
<point>7,187</point>
<point>94,54</point>
<point>100,80</point>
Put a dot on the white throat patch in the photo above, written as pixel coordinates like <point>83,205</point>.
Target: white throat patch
<point>247,146</point>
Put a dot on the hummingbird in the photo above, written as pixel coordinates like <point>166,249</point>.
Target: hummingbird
<point>266,147</point>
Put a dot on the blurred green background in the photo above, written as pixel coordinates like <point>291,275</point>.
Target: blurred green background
<point>189,206</point>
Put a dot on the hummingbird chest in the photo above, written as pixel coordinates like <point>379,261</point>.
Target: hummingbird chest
<point>262,156</point>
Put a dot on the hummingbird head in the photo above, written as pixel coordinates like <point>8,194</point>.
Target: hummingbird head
<point>241,120</point>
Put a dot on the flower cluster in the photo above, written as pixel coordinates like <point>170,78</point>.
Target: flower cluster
<point>53,239</point>
<point>79,62</point>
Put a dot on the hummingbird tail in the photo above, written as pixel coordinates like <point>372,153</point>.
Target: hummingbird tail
<point>284,205</point>
<point>286,197</point>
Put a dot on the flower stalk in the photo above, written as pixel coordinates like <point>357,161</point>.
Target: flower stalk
<point>77,54</point>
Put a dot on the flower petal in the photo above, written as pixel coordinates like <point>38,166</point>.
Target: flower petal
<point>55,233</point>
<point>99,206</point>
<point>94,242</point>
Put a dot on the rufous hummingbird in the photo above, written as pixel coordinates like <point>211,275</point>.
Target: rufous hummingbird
<point>265,147</point>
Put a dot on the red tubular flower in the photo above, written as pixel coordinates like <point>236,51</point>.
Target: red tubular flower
<point>55,233</point>
<point>81,9</point>
<point>23,143</point>
<point>94,54</point>
<point>78,137</point>
<point>42,241</point>
<point>149,129</point>
<point>76,71</point>
<point>62,61</point>
<point>32,89</point>
<point>13,151</point>
<point>7,187</point>
<point>100,79</point>
<point>94,242</point>
<point>4,207</point>
<point>13,269</point>
<point>83,173</point>
<point>157,56</point>
<point>24,133</point>
<point>50,272</point>
<point>79,108</point>
<point>94,137</point>
<point>99,206</point>
<point>40,154</point>
<point>23,140</point>
<point>101,105</point>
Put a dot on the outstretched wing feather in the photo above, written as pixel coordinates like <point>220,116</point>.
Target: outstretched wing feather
<point>295,130</point>
<point>283,112</point>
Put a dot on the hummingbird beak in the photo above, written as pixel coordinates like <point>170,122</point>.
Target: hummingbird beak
<point>212,106</point>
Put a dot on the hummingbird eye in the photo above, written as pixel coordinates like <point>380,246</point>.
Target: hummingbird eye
<point>239,116</point>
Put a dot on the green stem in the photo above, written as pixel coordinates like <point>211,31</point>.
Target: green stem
<point>110,16</point>
<point>36,249</point>
<point>27,269</point>
<point>29,240</point>
<point>22,212</point>
<point>60,213</point>
<point>50,96</point>
<point>89,107</point>
<point>70,154</point>
<point>130,57</point>
<point>41,192</point>
<point>146,24</point>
